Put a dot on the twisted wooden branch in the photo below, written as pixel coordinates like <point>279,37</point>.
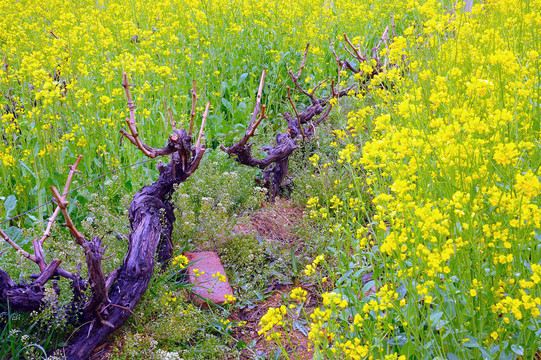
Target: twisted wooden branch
<point>151,219</point>
<point>275,165</point>
<point>255,120</point>
<point>295,78</point>
<point>39,257</point>
<point>52,219</point>
<point>28,297</point>
<point>194,101</point>
<point>18,248</point>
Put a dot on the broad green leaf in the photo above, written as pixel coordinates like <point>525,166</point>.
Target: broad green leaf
<point>436,316</point>
<point>517,349</point>
<point>242,78</point>
<point>227,105</point>
<point>9,205</point>
<point>15,234</point>
<point>368,286</point>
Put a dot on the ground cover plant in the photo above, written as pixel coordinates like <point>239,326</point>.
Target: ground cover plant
<point>422,231</point>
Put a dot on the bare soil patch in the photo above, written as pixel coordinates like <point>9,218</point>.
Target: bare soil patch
<point>277,222</point>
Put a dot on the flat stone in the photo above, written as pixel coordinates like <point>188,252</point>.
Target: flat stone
<point>205,286</point>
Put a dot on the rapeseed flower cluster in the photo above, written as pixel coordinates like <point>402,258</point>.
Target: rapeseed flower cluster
<point>299,294</point>
<point>220,277</point>
<point>273,317</point>
<point>181,261</point>
<point>310,269</point>
<point>441,193</point>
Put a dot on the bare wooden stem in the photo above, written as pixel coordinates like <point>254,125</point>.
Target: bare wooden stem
<point>52,219</point>
<point>255,120</point>
<point>303,61</point>
<point>6,66</point>
<point>324,116</point>
<point>384,37</point>
<point>62,204</point>
<point>319,84</point>
<point>258,99</point>
<point>17,247</point>
<point>198,143</point>
<point>349,51</point>
<point>171,121</point>
<point>173,144</point>
<point>47,273</point>
<point>261,117</point>
<point>393,25</point>
<point>275,165</point>
<point>192,113</point>
<point>134,138</point>
<point>291,102</point>
<point>358,55</point>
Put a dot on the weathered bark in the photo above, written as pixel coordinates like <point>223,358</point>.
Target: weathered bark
<point>151,215</point>
<point>134,275</point>
<point>151,220</point>
<point>275,166</point>
<point>20,297</point>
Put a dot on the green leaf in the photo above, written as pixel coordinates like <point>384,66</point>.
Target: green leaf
<point>241,107</point>
<point>400,340</point>
<point>517,349</point>
<point>485,353</point>
<point>451,356</point>
<point>436,316</point>
<point>242,78</point>
<point>345,276</point>
<point>472,343</point>
<point>401,291</point>
<point>368,286</point>
<point>297,325</point>
<point>377,272</point>
<point>241,345</point>
<point>441,324</point>
<point>224,87</point>
<point>408,349</point>
<point>97,162</point>
<point>9,205</point>
<point>15,234</point>
<point>27,168</point>
<point>227,105</point>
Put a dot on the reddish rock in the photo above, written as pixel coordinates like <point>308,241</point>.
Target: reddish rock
<point>205,286</point>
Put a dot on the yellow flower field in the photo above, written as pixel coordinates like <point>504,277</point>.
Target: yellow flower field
<point>63,62</point>
<point>452,156</point>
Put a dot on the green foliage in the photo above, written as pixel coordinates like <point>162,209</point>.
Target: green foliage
<point>209,202</point>
<point>167,326</point>
<point>24,336</point>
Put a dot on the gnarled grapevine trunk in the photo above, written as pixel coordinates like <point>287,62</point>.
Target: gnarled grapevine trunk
<point>151,220</point>
<point>276,165</point>
<point>113,297</point>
